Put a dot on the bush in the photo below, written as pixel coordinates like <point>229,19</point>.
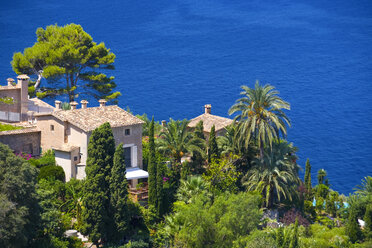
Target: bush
<point>48,158</point>
<point>258,239</point>
<point>53,172</point>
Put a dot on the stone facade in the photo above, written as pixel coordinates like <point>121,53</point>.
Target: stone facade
<point>67,133</point>
<point>19,93</point>
<point>22,140</point>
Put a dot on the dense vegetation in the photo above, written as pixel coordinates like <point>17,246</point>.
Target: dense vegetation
<point>239,189</point>
<point>8,127</point>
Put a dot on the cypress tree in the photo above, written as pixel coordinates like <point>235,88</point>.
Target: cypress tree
<point>352,227</point>
<point>119,194</point>
<point>160,171</point>
<point>308,179</point>
<point>152,167</point>
<point>212,145</point>
<point>199,130</point>
<point>197,157</point>
<point>95,215</point>
<point>294,241</point>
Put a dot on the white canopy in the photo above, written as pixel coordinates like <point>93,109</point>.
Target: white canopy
<point>136,173</point>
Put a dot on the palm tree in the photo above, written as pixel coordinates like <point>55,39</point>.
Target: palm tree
<point>191,187</point>
<point>260,115</point>
<point>321,176</point>
<point>365,189</point>
<point>176,141</point>
<point>276,174</point>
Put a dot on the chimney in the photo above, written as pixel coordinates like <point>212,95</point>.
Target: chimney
<point>84,104</point>
<point>73,105</point>
<point>10,81</point>
<point>22,83</point>
<point>58,104</point>
<point>102,102</point>
<point>163,123</point>
<point>207,108</point>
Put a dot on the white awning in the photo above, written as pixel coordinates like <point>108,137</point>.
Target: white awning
<point>136,173</point>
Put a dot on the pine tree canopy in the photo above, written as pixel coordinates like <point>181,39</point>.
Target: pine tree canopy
<point>70,60</point>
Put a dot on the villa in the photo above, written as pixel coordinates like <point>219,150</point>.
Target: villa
<point>67,132</point>
<point>219,122</point>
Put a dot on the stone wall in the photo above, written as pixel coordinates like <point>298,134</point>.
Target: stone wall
<point>23,140</point>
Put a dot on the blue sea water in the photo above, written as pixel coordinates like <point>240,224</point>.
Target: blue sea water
<point>175,56</point>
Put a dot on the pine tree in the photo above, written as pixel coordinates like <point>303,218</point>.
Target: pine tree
<point>352,227</point>
<point>294,241</point>
<point>96,202</point>
<point>308,179</point>
<point>152,167</point>
<point>368,223</point>
<point>213,152</point>
<point>119,194</point>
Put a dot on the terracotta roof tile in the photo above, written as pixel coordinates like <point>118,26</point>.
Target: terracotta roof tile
<point>90,118</point>
<point>209,120</point>
<point>20,131</point>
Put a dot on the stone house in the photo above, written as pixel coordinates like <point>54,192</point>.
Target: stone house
<point>22,109</point>
<point>67,132</point>
<point>26,140</point>
<point>209,120</point>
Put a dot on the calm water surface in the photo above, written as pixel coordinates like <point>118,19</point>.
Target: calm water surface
<point>175,56</point>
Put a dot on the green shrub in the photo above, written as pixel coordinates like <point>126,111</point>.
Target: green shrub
<point>53,172</point>
<point>48,159</point>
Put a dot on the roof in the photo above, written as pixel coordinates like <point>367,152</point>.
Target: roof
<point>20,131</point>
<point>40,103</point>
<point>38,106</point>
<point>209,120</point>
<point>65,148</point>
<point>90,118</point>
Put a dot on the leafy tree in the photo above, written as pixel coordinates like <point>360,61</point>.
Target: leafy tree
<point>119,194</point>
<point>96,201</point>
<point>19,208</point>
<point>275,175</point>
<point>221,175</point>
<point>70,60</point>
<point>175,140</point>
<point>54,172</point>
<point>308,179</point>
<point>257,239</point>
<point>352,227</point>
<point>332,203</point>
<point>213,152</point>
<point>152,166</point>
<point>321,176</point>
<point>260,115</point>
<point>203,223</point>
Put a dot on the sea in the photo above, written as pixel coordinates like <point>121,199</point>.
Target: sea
<point>174,56</point>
